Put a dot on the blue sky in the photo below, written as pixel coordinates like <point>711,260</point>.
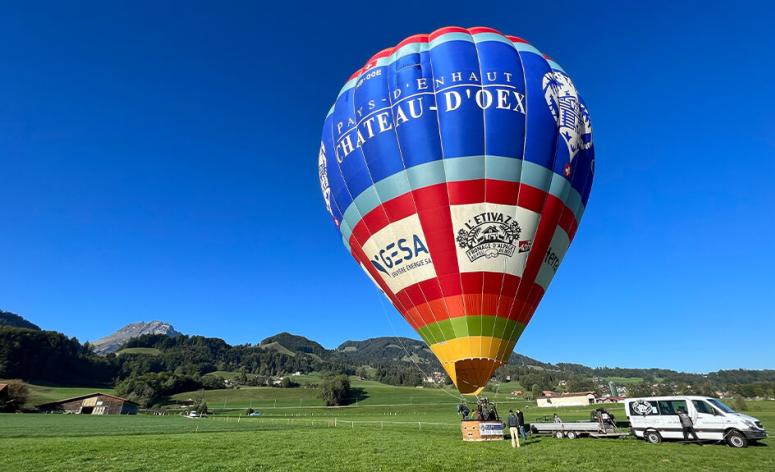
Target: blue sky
<point>158,161</point>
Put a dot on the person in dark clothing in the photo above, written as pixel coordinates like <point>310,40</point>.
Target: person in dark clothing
<point>687,425</point>
<point>521,424</point>
<point>492,415</point>
<point>478,416</point>
<point>463,410</point>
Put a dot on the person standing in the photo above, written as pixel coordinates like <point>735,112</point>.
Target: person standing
<point>521,424</point>
<point>513,423</point>
<point>687,425</point>
<point>463,410</point>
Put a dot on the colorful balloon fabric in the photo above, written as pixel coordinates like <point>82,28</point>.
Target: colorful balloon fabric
<point>457,166</point>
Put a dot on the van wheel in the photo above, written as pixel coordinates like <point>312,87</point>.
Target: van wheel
<point>558,435</point>
<point>653,437</point>
<point>572,435</point>
<point>736,439</point>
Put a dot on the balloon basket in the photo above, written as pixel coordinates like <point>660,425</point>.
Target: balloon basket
<point>474,430</point>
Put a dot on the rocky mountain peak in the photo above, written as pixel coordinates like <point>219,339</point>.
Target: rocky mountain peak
<point>113,343</point>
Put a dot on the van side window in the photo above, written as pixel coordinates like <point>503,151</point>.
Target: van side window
<point>671,407</point>
<point>703,407</point>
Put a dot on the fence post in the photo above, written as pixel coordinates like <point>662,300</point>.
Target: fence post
<point>334,422</point>
<point>419,426</point>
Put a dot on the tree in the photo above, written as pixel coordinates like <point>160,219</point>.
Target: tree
<point>213,382</point>
<point>200,406</point>
<point>286,382</point>
<point>242,378</point>
<point>640,389</point>
<point>535,391</point>
<point>363,373</point>
<point>581,384</point>
<point>335,389</point>
<point>16,397</point>
<point>738,403</point>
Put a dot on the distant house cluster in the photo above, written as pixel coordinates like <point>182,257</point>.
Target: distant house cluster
<point>435,377</point>
<point>549,399</point>
<point>92,404</point>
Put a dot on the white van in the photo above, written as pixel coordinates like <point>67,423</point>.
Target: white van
<point>656,418</point>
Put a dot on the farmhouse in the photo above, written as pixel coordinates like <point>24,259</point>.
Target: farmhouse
<point>565,399</point>
<point>93,404</point>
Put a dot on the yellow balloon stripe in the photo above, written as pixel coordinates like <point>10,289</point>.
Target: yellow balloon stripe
<point>471,360</point>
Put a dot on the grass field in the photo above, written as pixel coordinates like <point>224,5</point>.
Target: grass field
<point>141,443</point>
<point>151,351</point>
<point>367,393</point>
<point>43,394</point>
<point>389,428</point>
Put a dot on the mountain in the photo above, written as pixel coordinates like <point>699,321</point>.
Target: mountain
<point>113,343</point>
<point>12,319</point>
<point>385,349</point>
<point>49,356</point>
<point>287,343</point>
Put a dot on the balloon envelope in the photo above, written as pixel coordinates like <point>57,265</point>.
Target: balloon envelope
<point>457,166</point>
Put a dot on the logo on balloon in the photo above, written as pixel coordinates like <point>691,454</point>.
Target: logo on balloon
<point>323,175</point>
<point>401,256</point>
<point>490,235</point>
<point>570,114</point>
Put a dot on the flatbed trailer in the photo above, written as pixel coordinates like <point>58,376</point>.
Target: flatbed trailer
<point>594,429</point>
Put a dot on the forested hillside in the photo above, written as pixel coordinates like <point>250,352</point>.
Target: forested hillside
<point>151,367</point>
<point>12,319</point>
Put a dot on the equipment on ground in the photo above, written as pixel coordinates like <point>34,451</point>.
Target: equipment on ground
<point>481,430</point>
<point>601,426</point>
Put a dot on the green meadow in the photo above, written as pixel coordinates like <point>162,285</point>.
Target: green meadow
<point>44,394</point>
<point>389,428</point>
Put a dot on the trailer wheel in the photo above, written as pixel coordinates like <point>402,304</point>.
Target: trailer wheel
<point>736,439</point>
<point>572,435</point>
<point>559,435</point>
<point>653,437</point>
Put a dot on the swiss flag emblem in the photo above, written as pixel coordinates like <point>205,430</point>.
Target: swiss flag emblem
<point>567,170</point>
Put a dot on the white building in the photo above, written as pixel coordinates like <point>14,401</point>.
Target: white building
<point>566,399</point>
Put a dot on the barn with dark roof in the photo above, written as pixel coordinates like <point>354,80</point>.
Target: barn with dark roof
<point>92,404</point>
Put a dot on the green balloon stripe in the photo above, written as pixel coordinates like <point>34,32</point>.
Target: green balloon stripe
<point>461,326</point>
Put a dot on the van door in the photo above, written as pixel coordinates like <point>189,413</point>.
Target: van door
<point>669,423</point>
<point>708,422</point>
<point>643,414</point>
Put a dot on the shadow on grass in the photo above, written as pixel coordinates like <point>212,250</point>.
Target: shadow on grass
<point>357,394</point>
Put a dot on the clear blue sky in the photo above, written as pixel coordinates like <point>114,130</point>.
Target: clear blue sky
<point>158,161</point>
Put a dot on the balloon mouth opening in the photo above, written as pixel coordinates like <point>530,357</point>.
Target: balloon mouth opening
<point>471,375</point>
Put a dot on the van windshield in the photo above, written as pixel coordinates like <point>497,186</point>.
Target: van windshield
<point>721,405</point>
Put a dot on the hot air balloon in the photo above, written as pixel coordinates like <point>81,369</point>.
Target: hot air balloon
<point>457,166</point>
